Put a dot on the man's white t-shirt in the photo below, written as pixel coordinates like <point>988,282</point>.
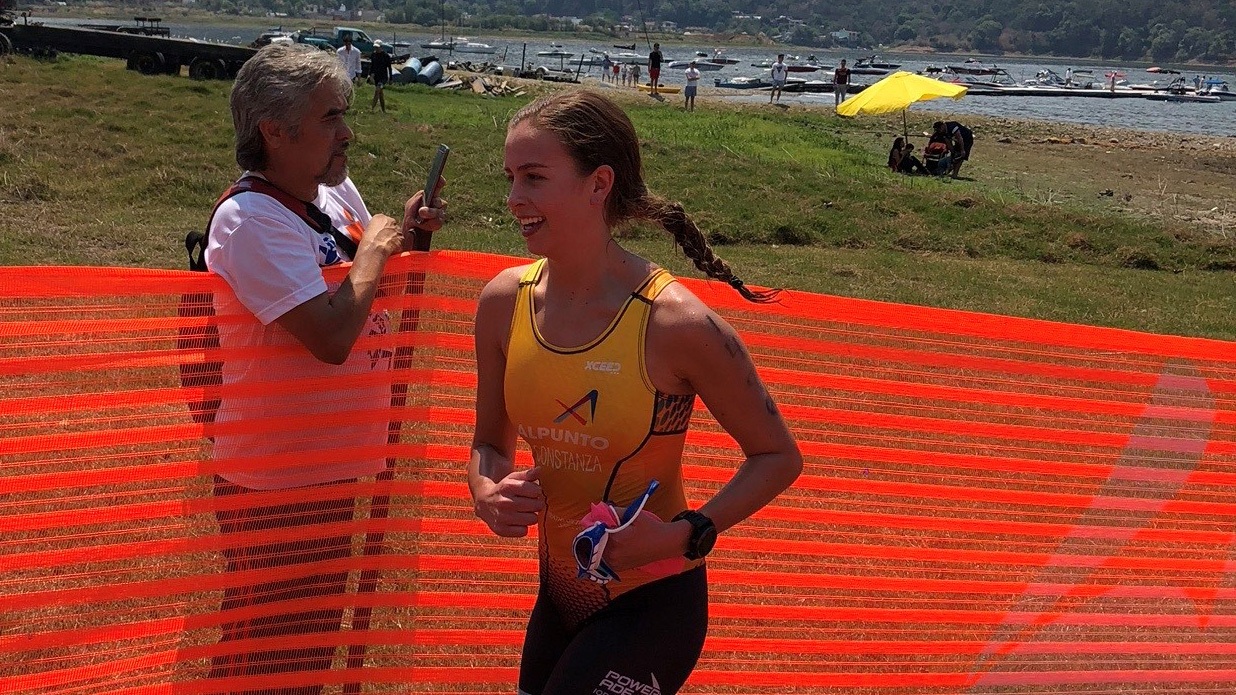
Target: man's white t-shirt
<point>693,76</point>
<point>780,72</point>
<point>287,419</point>
<point>351,58</point>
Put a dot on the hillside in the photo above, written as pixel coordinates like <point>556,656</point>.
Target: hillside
<point>1162,31</point>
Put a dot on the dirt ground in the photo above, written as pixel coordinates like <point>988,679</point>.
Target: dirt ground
<point>1161,176</point>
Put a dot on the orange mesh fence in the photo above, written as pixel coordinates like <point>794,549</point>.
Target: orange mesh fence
<point>988,505</point>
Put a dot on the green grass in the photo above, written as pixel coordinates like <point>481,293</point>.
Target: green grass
<point>103,166</point>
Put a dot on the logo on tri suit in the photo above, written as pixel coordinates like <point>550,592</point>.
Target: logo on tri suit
<point>573,410</point>
<point>618,684</point>
<point>581,413</point>
<point>604,367</point>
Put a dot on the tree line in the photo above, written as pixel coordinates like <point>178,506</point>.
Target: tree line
<point>1162,31</point>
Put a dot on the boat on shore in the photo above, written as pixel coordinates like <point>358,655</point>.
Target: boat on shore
<point>661,89</point>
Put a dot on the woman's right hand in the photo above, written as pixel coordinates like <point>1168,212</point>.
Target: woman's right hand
<point>512,504</point>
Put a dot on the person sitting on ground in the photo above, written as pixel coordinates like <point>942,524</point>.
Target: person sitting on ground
<point>901,158</point>
<point>936,157</point>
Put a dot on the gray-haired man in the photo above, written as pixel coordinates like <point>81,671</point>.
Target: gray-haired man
<point>292,213</point>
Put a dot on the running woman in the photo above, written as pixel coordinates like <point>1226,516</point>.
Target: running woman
<point>594,356</point>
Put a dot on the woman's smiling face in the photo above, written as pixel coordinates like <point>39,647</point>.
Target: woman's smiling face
<point>550,198</point>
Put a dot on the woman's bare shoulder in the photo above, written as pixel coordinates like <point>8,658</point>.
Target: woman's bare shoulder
<point>497,300</point>
<point>680,319</point>
<point>504,284</point>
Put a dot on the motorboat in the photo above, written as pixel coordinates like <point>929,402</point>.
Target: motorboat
<point>555,51</point>
<point>277,35</point>
<point>463,45</point>
<point>1183,98</point>
<point>806,67</point>
<point>1215,87</point>
<point>1079,79</point>
<point>439,45</point>
<point>716,57</point>
<point>587,60</point>
<point>700,64</point>
<point>1181,91</point>
<point>629,58</point>
<point>982,77</point>
<point>742,83</point>
<point>769,63</point>
<point>974,67</point>
<point>872,63</point>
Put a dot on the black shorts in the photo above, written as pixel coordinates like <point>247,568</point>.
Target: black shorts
<point>650,637</point>
<point>379,83</point>
<point>967,141</point>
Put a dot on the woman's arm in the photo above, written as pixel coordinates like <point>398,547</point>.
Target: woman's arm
<point>505,499</point>
<point>696,350</point>
<point>721,371</point>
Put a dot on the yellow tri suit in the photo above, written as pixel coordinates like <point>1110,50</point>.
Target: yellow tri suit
<point>599,431</point>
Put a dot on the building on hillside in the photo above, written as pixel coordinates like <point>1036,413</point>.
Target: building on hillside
<point>844,36</point>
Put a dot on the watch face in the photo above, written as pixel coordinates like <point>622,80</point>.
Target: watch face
<point>706,540</point>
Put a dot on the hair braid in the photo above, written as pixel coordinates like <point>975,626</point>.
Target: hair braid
<point>675,220</point>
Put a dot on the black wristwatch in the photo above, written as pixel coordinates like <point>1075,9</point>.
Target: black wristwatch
<point>703,534</point>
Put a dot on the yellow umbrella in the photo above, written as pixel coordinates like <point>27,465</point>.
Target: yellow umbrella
<point>896,93</point>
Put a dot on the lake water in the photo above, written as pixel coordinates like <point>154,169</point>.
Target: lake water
<point>1204,119</point>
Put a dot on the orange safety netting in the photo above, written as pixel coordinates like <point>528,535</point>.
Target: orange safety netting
<point>988,505</point>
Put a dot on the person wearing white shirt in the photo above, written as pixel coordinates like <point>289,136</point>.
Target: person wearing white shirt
<point>285,324</point>
<point>693,80</point>
<point>780,73</point>
<point>351,58</point>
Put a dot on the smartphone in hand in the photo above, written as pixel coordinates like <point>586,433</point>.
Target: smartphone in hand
<point>420,237</point>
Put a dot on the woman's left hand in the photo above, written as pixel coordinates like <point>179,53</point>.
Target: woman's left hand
<point>646,540</point>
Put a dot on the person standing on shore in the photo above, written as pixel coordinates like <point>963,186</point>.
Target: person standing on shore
<point>841,83</point>
<point>635,72</point>
<point>350,56</point>
<point>654,67</point>
<point>780,72</point>
<point>279,488</point>
<point>693,80</point>
<point>628,614</point>
<point>606,65</point>
<point>380,71</point>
